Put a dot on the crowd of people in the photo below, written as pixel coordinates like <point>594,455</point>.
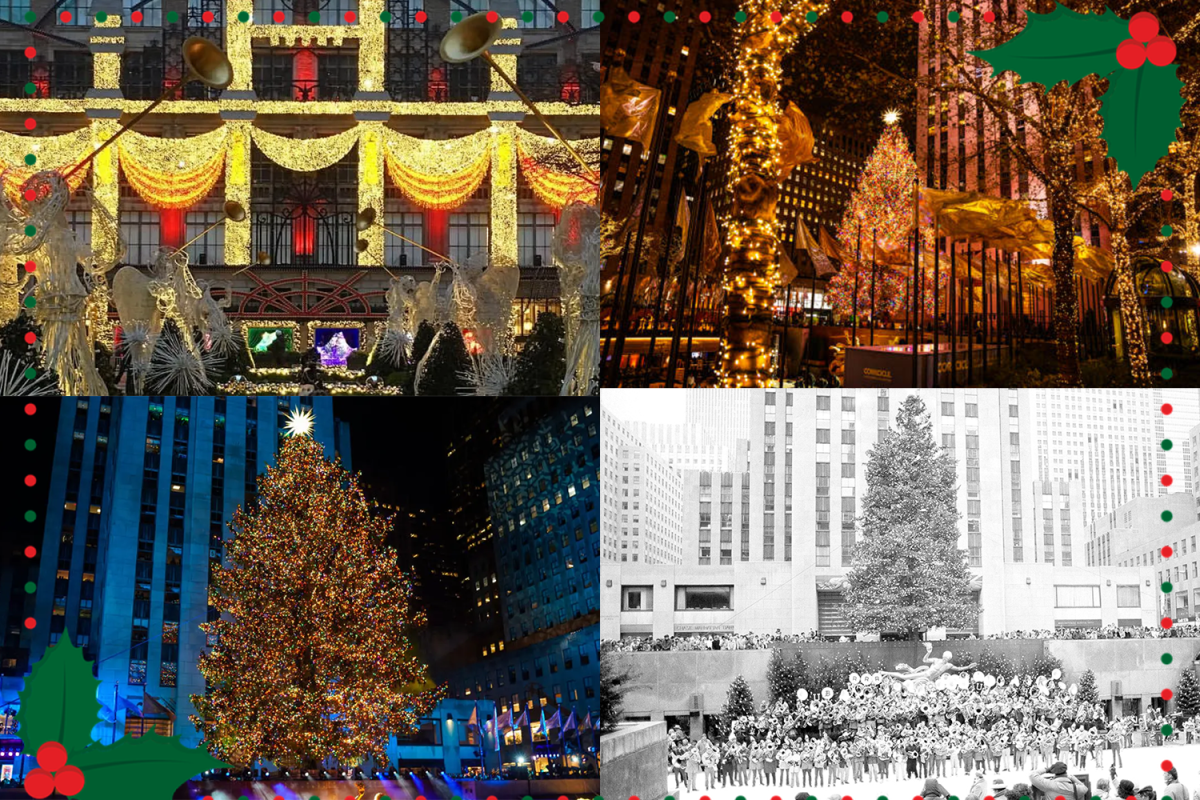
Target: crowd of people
<point>871,731</point>
<point>765,641</point>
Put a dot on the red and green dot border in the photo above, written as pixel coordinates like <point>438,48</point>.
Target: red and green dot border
<point>31,516</point>
<point>313,17</point>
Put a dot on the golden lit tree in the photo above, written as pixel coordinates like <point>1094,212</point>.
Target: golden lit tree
<point>769,30</point>
<point>312,658</point>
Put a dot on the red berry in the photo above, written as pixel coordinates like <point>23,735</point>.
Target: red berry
<point>52,756</point>
<point>1143,26</point>
<point>1160,51</point>
<point>1130,54</point>
<point>69,781</point>
<point>39,783</point>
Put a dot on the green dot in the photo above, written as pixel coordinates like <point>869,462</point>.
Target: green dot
<point>172,16</point>
<point>30,88</point>
<point>1024,797</point>
<point>31,159</point>
<point>1166,444</point>
<point>314,17</point>
<point>526,797</point>
<point>1167,302</point>
<point>1167,230</point>
<point>30,516</point>
<point>456,16</point>
<point>598,16</point>
<point>527,16</point>
<point>669,16</point>
<point>30,587</point>
<point>30,373</point>
<point>952,16</point>
<point>243,16</point>
<point>30,444</point>
<point>30,302</point>
<point>882,16</point>
<point>810,17</point>
<point>1166,658</point>
<point>1167,587</point>
<point>740,16</point>
<point>30,16</point>
<point>101,16</point>
<point>386,16</point>
<point>1167,516</point>
<point>740,797</point>
<point>1166,731</point>
<point>1167,373</point>
<point>30,230</point>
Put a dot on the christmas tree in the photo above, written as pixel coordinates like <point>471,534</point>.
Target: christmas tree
<point>880,213</point>
<point>613,679</point>
<point>312,657</point>
<point>543,360</point>
<point>1087,688</point>
<point>782,680</point>
<point>422,340</point>
<point>446,365</point>
<point>1187,697</point>
<point>907,573</point>
<point>739,702</point>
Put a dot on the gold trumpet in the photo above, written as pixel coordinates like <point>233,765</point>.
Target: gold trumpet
<point>469,40</point>
<point>233,211</point>
<point>366,219</point>
<point>206,63</point>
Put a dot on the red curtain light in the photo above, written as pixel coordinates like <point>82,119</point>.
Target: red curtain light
<point>172,224</point>
<point>304,75</point>
<point>437,229</point>
<point>439,89</point>
<point>304,231</point>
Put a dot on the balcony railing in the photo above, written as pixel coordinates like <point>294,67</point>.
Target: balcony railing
<point>323,88</point>
<point>572,83</point>
<point>416,73</point>
<point>66,81</point>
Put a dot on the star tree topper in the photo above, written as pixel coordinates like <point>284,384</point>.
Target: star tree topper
<point>299,422</point>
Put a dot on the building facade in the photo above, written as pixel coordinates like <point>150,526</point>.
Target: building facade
<point>334,108</point>
<point>768,547</point>
<point>140,494</point>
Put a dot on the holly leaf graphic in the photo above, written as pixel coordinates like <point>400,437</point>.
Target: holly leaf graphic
<point>1060,46</point>
<point>160,765</point>
<point>1141,112</point>
<point>59,702</point>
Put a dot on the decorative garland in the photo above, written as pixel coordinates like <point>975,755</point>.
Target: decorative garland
<point>173,173</point>
<point>305,155</point>
<point>432,173</point>
<point>49,152</point>
<point>551,173</point>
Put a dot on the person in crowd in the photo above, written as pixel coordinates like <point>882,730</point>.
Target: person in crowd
<point>1175,790</point>
<point>1056,781</point>
<point>770,762</point>
<point>978,785</point>
<point>1103,789</point>
<point>932,790</point>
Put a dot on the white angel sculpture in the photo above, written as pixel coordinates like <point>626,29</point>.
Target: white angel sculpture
<point>576,247</point>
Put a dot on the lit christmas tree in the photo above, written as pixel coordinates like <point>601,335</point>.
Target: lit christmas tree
<point>782,679</point>
<point>739,702</point>
<point>1187,697</point>
<point>312,659</point>
<point>1088,693</point>
<point>882,203</point>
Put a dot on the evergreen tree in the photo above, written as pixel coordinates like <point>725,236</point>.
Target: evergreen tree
<point>782,679</point>
<point>800,669</point>
<point>543,360</point>
<point>422,340</point>
<point>1044,665</point>
<point>312,659</point>
<point>907,573</point>
<point>1088,693</point>
<point>448,361</point>
<point>613,680</point>
<point>992,663</point>
<point>739,702</point>
<point>1187,696</point>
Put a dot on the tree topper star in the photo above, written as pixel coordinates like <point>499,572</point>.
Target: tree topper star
<point>299,422</point>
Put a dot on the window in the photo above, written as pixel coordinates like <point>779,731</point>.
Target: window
<point>410,225</point>
<point>640,598</point>
<point>1077,596</point>
<point>947,408</point>
<point>823,433</point>
<point>140,230</point>
<point>847,402</point>
<point>1129,596</point>
<point>533,230</point>
<point>691,598</point>
<point>822,402</point>
<point>590,9</point>
<point>468,235</point>
<point>543,15</point>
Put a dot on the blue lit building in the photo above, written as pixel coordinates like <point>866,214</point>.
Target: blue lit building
<point>140,494</point>
<point>543,497</point>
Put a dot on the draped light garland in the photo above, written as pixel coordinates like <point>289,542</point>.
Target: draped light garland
<point>52,152</point>
<point>551,172</point>
<point>437,174</point>
<point>305,155</point>
<point>173,173</point>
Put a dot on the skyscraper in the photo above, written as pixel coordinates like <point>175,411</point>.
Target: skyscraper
<point>140,494</point>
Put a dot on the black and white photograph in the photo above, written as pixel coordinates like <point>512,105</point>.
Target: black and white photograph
<point>918,593</point>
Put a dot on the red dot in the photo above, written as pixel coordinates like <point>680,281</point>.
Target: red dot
<point>492,16</point>
<point>420,797</point>
<point>776,17</point>
<point>30,480</point>
<point>39,783</point>
<point>30,409</point>
<point>918,16</point>
<point>30,266</point>
<point>66,16</point>
<point>634,16</point>
<point>847,16</point>
<point>1166,266</point>
<point>989,16</point>
<point>30,124</point>
<point>1143,26</point>
<point>30,196</point>
<point>136,16</point>
<point>1167,480</point>
<point>633,797</point>
<point>1167,694</point>
<point>30,623</point>
<point>1131,54</point>
<point>30,52</point>
<point>1166,622</point>
<point>277,16</point>
<point>1167,552</point>
<point>1167,408</point>
<point>705,16</point>
<point>207,16</point>
<point>1166,195</point>
<point>1167,337</point>
<point>562,797</point>
<point>351,16</point>
<point>563,16</point>
<point>491,797</point>
<point>52,756</point>
<point>1060,797</point>
<point>1166,765</point>
<point>1160,51</point>
<point>30,337</point>
<point>69,781</point>
<point>30,551</point>
<point>421,16</point>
